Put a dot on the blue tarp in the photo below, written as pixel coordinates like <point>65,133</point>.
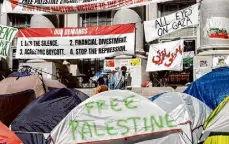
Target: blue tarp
<point>44,113</point>
<point>211,88</point>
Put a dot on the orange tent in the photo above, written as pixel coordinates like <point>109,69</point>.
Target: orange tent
<point>7,136</point>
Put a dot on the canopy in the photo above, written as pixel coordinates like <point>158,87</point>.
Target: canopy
<point>116,117</point>
<point>44,113</point>
<point>20,81</point>
<point>211,88</point>
<point>187,111</point>
<point>7,136</point>
<point>12,104</point>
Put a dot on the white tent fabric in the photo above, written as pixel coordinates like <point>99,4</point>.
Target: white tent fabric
<point>220,123</point>
<point>121,117</point>
<point>187,111</point>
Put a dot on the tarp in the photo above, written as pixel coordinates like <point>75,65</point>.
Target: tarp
<point>44,113</point>
<point>7,136</point>
<point>187,111</point>
<point>116,116</point>
<point>211,88</point>
<point>12,104</point>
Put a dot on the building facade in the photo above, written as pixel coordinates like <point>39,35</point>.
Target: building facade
<point>148,12</point>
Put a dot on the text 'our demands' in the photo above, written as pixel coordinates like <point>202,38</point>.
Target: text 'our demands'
<point>76,43</point>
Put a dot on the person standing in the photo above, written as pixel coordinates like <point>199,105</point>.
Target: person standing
<point>122,79</point>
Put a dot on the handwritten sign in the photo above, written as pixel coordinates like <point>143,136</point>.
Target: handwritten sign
<point>112,115</point>
<point>7,34</point>
<point>166,56</point>
<point>162,26</point>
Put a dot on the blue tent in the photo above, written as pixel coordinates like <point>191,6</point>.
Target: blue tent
<point>44,113</point>
<point>211,88</point>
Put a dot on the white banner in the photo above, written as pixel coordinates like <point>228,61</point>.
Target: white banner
<point>7,34</point>
<point>113,116</point>
<point>70,6</point>
<point>217,28</point>
<point>157,28</point>
<point>76,43</point>
<point>166,56</point>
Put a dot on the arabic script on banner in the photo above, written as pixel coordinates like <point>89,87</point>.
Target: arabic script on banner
<point>166,56</point>
<point>162,26</point>
<point>69,6</point>
<point>7,34</point>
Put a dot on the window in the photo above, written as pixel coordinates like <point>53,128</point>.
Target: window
<point>96,19</point>
<point>172,7</point>
<point>18,21</point>
<point>89,67</point>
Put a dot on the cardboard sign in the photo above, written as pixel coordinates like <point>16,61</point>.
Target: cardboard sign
<point>157,28</point>
<point>112,115</point>
<point>166,56</point>
<point>70,6</point>
<point>7,34</point>
<point>76,43</point>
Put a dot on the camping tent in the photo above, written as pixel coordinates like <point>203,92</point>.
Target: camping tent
<point>7,136</point>
<point>117,117</point>
<point>218,125</point>
<point>156,96</point>
<point>12,104</point>
<point>20,81</point>
<point>44,113</point>
<point>187,111</point>
<point>211,88</point>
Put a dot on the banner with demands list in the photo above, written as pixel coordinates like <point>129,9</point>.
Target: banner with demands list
<point>76,43</point>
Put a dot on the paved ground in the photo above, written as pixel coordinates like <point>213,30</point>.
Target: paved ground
<point>147,92</point>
